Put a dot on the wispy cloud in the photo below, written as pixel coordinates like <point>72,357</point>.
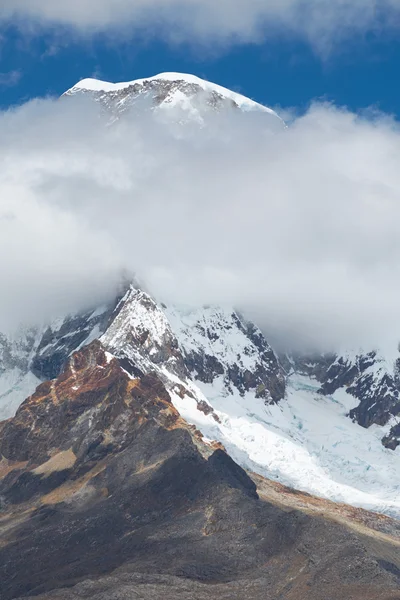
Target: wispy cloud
<point>10,78</point>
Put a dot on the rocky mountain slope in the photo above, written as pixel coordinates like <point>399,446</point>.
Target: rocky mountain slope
<point>108,493</point>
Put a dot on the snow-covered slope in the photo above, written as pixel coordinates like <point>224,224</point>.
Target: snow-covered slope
<point>17,381</point>
<point>185,346</point>
<point>306,442</point>
<point>180,96</point>
<point>218,344</point>
<point>370,379</point>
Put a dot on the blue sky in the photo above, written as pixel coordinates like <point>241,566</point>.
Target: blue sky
<point>359,72</point>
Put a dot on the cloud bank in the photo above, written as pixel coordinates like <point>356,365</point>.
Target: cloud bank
<point>323,22</point>
<point>298,228</point>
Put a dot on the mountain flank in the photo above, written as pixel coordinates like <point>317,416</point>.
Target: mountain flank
<point>108,493</point>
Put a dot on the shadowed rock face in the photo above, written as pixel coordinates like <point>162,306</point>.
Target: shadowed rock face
<point>265,376</point>
<point>107,493</point>
<point>392,441</point>
<point>56,345</point>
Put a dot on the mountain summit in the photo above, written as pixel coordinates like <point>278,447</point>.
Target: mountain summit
<point>191,96</point>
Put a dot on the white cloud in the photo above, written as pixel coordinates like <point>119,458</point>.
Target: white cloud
<point>299,228</point>
<point>324,22</point>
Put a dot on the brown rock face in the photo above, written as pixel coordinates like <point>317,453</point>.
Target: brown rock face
<point>91,410</point>
<point>106,493</point>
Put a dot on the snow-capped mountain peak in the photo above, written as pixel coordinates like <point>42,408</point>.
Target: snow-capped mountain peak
<point>194,97</point>
<point>184,80</point>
